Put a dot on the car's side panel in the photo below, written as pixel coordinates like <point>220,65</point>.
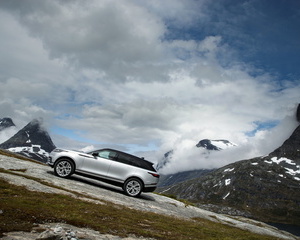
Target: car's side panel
<point>120,171</point>
<point>96,165</point>
<point>78,159</point>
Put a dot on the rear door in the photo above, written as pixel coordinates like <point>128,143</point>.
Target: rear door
<point>121,168</point>
<point>99,162</point>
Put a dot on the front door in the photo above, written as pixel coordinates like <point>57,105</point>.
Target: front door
<point>99,162</point>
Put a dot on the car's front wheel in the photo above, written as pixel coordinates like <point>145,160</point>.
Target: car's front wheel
<point>133,187</point>
<point>64,168</point>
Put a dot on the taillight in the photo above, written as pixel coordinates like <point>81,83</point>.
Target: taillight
<point>154,174</point>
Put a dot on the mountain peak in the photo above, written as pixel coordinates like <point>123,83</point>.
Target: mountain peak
<point>290,148</point>
<point>6,123</point>
<point>33,138</point>
<point>35,123</point>
<point>215,144</point>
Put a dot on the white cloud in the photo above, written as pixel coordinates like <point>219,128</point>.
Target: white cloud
<point>186,156</point>
<point>7,133</point>
<point>104,35</point>
<point>177,12</point>
<point>105,70</point>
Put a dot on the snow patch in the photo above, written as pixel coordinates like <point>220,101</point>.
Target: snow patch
<point>227,182</point>
<point>229,170</point>
<point>292,171</point>
<point>269,162</point>
<point>33,149</point>
<point>218,184</point>
<point>222,145</point>
<point>226,196</point>
<point>288,161</point>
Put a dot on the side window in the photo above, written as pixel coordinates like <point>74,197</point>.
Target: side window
<point>107,154</point>
<point>123,158</point>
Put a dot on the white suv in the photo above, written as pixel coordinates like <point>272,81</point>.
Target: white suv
<point>133,174</point>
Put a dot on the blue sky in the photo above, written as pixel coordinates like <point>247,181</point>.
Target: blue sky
<point>262,34</point>
<point>150,76</point>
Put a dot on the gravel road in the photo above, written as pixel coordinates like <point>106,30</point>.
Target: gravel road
<point>104,192</point>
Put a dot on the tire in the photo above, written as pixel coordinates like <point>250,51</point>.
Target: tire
<point>64,168</point>
<point>133,187</point>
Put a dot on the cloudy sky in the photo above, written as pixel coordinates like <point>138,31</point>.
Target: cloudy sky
<point>150,76</point>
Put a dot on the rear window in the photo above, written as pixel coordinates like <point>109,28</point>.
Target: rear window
<point>135,161</point>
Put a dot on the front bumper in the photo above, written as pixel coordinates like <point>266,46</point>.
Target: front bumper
<point>49,162</point>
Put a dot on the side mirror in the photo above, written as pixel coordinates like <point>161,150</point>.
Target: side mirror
<point>95,154</point>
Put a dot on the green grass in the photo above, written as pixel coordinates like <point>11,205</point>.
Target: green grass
<point>21,209</point>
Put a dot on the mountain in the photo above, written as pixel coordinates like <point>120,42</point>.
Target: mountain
<point>215,144</point>
<point>166,158</point>
<point>171,179</point>
<point>205,144</point>
<point>32,141</point>
<point>6,123</point>
<point>265,188</point>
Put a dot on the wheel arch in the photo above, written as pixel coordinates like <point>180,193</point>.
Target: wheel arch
<point>69,158</point>
<point>135,177</point>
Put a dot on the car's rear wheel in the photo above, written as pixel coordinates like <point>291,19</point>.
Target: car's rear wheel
<point>133,187</point>
<point>64,168</point>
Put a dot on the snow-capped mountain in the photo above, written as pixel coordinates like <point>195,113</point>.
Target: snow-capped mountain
<point>6,123</point>
<point>32,141</point>
<point>207,144</point>
<point>266,188</point>
<point>215,144</point>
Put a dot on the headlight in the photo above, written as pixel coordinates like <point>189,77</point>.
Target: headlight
<point>57,150</point>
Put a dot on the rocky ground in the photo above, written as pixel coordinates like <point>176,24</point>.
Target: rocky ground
<point>61,231</point>
<point>100,192</point>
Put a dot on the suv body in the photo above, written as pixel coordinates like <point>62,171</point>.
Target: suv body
<point>133,174</point>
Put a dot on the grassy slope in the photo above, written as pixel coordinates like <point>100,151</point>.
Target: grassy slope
<point>21,209</point>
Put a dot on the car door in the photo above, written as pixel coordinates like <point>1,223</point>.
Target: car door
<point>99,162</point>
<point>121,168</point>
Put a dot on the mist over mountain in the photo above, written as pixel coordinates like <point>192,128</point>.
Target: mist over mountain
<point>32,141</point>
<point>200,152</point>
<point>7,129</point>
